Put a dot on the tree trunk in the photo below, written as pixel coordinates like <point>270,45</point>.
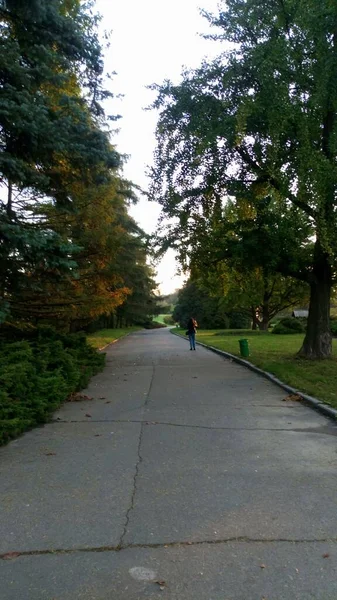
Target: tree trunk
<point>255,321</point>
<point>264,323</point>
<point>318,340</point>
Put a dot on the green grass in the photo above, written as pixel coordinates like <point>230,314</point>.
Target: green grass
<point>277,354</point>
<point>160,319</point>
<point>103,337</point>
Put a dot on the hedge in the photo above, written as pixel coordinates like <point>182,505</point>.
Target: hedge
<point>38,374</point>
<point>288,326</point>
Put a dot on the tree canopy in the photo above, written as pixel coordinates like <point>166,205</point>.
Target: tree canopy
<point>258,126</point>
<point>65,231</point>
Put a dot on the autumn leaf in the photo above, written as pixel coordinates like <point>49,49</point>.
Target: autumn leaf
<point>76,397</point>
<point>293,398</point>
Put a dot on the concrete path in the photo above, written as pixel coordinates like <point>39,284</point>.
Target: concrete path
<point>185,478</point>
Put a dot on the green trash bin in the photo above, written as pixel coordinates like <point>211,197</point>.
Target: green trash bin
<point>244,348</point>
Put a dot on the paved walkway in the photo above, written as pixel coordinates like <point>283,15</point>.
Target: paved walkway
<point>186,477</point>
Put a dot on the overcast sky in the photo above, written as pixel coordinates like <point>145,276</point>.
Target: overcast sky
<point>151,41</point>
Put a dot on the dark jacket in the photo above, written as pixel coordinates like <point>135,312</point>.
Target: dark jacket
<point>192,326</point>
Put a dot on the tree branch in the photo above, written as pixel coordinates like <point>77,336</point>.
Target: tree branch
<point>265,177</point>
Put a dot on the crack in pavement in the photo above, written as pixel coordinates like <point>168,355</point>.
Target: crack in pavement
<point>120,548</point>
<point>139,461</point>
<point>323,430</point>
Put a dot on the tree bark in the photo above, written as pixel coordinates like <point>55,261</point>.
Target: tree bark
<point>255,321</point>
<point>318,340</point>
<point>264,323</point>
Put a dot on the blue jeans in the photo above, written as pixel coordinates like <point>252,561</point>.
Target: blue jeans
<point>191,337</point>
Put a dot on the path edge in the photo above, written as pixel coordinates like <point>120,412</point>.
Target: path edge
<point>323,408</point>
<point>115,341</point>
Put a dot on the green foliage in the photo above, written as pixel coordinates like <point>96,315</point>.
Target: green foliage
<point>38,374</point>
<point>238,320</point>
<point>194,300</point>
<point>69,251</point>
<point>160,318</point>
<point>333,325</point>
<point>258,125</point>
<point>153,325</point>
<point>43,115</point>
<point>169,320</point>
<point>288,326</point>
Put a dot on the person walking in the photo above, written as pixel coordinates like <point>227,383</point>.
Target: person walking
<point>192,329</point>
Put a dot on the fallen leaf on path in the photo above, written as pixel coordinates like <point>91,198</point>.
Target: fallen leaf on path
<point>50,453</point>
<point>98,435</point>
<point>10,555</point>
<point>293,398</point>
<point>161,583</point>
<point>326,555</point>
<point>101,398</point>
<point>87,415</point>
<point>108,402</point>
<point>79,397</point>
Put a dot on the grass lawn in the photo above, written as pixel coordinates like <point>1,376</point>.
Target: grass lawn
<point>160,319</point>
<point>277,354</point>
<point>101,338</point>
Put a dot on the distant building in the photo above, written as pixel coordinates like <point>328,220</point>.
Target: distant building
<point>300,314</point>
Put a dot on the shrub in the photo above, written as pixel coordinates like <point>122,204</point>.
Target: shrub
<point>153,325</point>
<point>288,326</point>
<point>239,320</point>
<point>38,374</point>
<point>169,320</point>
<point>333,325</point>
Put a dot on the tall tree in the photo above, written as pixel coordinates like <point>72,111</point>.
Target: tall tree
<point>260,122</point>
<point>261,296</point>
<point>50,134</point>
<point>195,300</point>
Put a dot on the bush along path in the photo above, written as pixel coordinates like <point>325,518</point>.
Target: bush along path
<point>37,374</point>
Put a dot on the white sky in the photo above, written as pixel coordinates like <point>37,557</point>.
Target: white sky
<point>151,41</point>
